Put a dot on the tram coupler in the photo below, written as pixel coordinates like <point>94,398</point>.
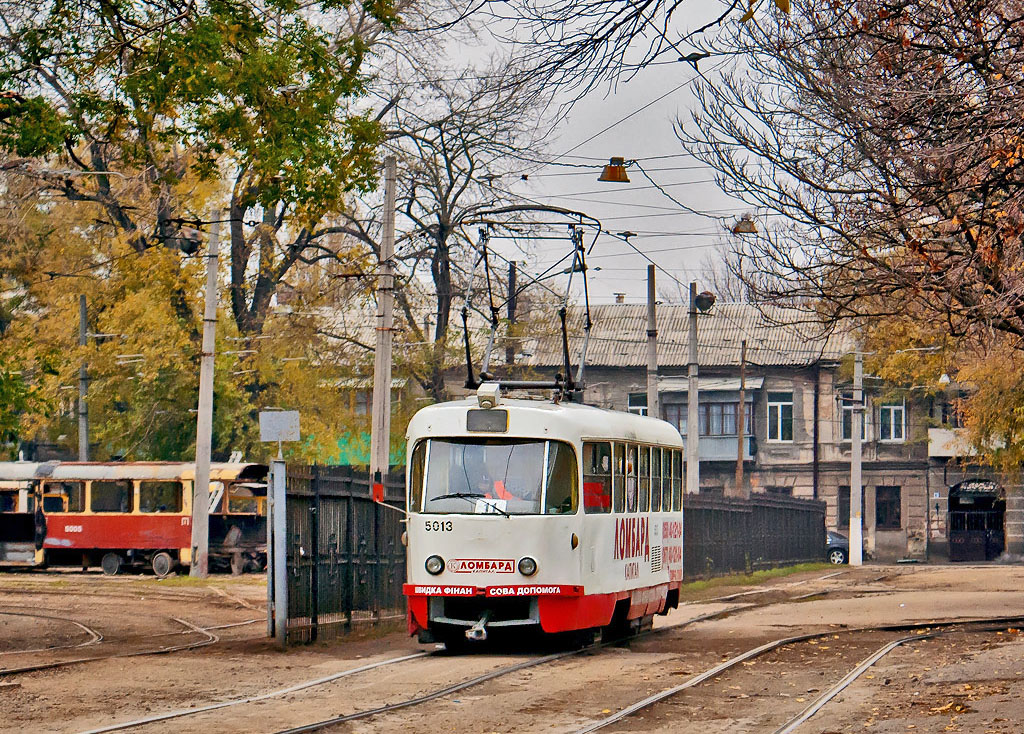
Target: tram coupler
<point>478,631</point>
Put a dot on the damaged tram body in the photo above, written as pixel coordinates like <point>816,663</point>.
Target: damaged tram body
<point>531,515</point>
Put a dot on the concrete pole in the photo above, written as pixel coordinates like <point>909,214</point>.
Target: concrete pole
<point>83,384</point>
<point>856,522</point>
<point>741,414</point>
<point>204,418</point>
<point>692,413</point>
<point>510,347</point>
<point>280,554</point>
<point>653,404</point>
<point>271,512</point>
<point>380,434</point>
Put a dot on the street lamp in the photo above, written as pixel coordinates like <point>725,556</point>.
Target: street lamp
<point>615,171</point>
<point>698,302</point>
<point>745,225</point>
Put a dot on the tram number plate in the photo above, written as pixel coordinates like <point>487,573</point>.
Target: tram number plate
<point>439,526</point>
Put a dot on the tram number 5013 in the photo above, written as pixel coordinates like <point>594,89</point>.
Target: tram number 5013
<point>439,526</point>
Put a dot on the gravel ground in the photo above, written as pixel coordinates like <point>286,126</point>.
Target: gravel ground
<point>969,682</point>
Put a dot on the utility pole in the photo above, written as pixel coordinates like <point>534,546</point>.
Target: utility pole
<point>741,414</point>
<point>653,406</point>
<point>380,434</point>
<point>692,414</point>
<point>510,346</point>
<point>83,384</point>
<point>856,525</point>
<point>204,419</point>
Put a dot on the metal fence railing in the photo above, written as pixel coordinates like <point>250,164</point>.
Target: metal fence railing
<point>728,534</point>
<point>346,562</point>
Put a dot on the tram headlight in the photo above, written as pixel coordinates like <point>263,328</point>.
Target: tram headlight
<point>527,566</point>
<point>434,565</point>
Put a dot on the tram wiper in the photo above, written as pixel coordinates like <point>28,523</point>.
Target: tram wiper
<point>470,496</point>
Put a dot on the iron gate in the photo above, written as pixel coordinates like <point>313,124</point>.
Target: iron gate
<point>346,561</point>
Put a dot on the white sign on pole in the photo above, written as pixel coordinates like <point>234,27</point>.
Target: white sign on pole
<point>279,425</point>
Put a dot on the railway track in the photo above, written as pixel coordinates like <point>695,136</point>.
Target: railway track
<point>456,687</point>
<point>207,632</point>
<point>453,688</point>
<point>926,630</point>
<point>94,636</point>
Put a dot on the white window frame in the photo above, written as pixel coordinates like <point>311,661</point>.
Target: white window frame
<point>776,422</point>
<point>637,409</point>
<point>863,422</point>
<point>893,409</point>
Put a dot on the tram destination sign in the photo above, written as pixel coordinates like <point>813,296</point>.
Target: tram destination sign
<point>487,420</point>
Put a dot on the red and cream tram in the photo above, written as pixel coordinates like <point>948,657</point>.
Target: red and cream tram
<point>536,515</point>
<point>121,514</point>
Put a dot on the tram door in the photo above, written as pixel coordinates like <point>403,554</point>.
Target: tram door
<point>976,510</point>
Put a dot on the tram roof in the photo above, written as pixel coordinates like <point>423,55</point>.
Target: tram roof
<point>28,470</point>
<point>545,419</point>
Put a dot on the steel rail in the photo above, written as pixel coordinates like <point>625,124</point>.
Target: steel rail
<point>210,640</point>
<point>94,636</point>
<point>440,693</point>
<point>253,699</point>
<point>428,697</point>
<point>768,647</point>
<point>819,703</point>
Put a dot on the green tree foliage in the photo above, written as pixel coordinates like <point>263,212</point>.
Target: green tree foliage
<point>132,105</point>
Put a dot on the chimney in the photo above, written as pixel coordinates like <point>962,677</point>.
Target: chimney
<point>620,297</point>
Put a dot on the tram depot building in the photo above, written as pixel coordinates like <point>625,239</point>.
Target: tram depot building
<point>918,503</point>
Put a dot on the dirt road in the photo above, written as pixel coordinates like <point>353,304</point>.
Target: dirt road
<point>215,652</point>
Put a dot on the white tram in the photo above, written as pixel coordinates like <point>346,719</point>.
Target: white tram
<point>501,537</point>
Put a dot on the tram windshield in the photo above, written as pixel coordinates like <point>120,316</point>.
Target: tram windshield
<point>496,476</point>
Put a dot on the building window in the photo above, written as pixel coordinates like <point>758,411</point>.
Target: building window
<point>887,508</point>
<point>637,403</point>
<point>780,416</point>
<point>843,506</point>
<point>363,402</point>
<point>846,433</point>
<point>892,422</point>
<point>675,413</point>
<point>779,490</point>
<point>716,419</point>
<point>951,416</point>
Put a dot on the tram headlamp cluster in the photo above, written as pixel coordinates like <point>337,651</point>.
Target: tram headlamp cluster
<point>527,566</point>
<point>434,565</point>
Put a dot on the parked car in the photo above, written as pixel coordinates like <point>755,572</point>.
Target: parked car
<point>837,548</point>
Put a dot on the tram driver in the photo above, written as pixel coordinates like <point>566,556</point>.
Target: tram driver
<point>505,472</point>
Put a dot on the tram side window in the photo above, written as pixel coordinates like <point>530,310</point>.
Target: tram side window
<point>631,492</point>
<point>111,496</point>
<point>645,478</point>
<point>677,481</point>
<point>619,479</point>
<point>597,477</point>
<point>419,455</point>
<point>656,480</point>
<point>159,496</point>
<point>64,497</point>
<point>562,491</point>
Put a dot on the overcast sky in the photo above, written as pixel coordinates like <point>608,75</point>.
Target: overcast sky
<point>628,122</point>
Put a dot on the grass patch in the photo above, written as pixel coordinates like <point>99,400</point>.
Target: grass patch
<point>750,579</point>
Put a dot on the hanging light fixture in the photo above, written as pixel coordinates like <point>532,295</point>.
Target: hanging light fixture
<point>745,225</point>
<point>615,171</point>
